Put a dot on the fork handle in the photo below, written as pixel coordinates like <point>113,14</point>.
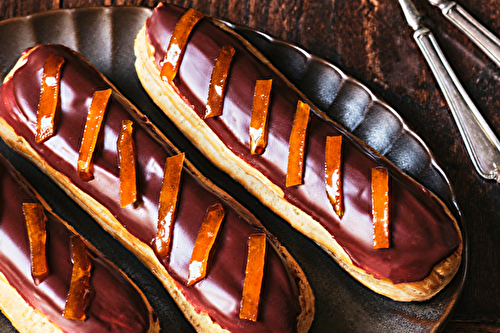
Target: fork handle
<point>481,143</point>
<point>482,37</point>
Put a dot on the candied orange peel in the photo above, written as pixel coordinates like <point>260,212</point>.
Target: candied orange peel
<point>78,298</point>
<point>259,127</point>
<point>168,204</point>
<point>297,146</point>
<point>178,43</point>
<point>49,98</point>
<point>217,87</point>
<point>91,133</point>
<point>254,274</point>
<point>333,173</point>
<point>380,207</point>
<point>127,164</point>
<point>205,240</point>
<point>37,235</point>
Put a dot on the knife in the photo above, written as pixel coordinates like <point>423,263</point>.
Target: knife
<point>481,143</point>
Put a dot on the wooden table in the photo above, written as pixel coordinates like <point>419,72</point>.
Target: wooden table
<point>370,40</point>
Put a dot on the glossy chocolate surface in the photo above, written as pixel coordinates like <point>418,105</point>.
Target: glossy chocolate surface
<point>219,294</point>
<point>422,234</point>
<point>115,305</point>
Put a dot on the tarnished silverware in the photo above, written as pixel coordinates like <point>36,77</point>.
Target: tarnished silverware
<point>482,37</point>
<point>480,141</point>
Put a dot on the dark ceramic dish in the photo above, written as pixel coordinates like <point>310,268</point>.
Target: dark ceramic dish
<point>105,37</point>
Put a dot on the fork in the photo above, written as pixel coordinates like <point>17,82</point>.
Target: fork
<point>480,141</point>
<point>484,39</point>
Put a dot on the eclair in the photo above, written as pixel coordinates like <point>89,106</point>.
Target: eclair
<point>38,304</point>
<point>385,229</point>
<point>223,269</point>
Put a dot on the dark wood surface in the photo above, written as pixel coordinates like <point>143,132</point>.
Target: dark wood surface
<point>370,40</point>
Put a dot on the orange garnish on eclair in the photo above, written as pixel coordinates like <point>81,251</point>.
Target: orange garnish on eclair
<point>78,298</point>
<point>178,43</point>
<point>333,173</point>
<point>259,127</point>
<point>297,146</point>
<point>204,242</point>
<point>168,204</point>
<point>37,235</point>
<point>217,87</point>
<point>49,98</point>
<point>380,207</point>
<point>91,133</point>
<point>127,164</point>
<point>254,274</point>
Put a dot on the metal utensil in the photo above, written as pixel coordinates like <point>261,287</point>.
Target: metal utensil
<point>482,37</point>
<point>480,141</point>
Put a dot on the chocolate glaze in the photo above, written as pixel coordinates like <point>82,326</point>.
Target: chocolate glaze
<point>422,234</point>
<point>116,306</point>
<point>219,294</point>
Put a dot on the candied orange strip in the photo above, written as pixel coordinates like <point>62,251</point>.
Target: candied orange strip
<point>78,298</point>
<point>380,207</point>
<point>259,127</point>
<point>49,98</point>
<point>333,173</point>
<point>297,146</point>
<point>37,235</point>
<point>204,241</point>
<point>91,133</point>
<point>254,274</point>
<point>168,203</point>
<point>177,44</point>
<point>217,87</point>
<point>126,157</point>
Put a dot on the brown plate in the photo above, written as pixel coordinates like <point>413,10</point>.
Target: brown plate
<point>105,36</point>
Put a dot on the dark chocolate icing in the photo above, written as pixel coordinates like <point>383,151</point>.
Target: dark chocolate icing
<point>422,233</point>
<point>219,294</point>
<point>116,306</point>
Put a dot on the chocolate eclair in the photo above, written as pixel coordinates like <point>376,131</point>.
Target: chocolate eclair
<point>178,58</point>
<point>116,305</point>
<point>212,302</point>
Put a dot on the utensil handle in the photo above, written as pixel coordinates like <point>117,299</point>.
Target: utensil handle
<point>481,143</point>
<point>482,37</point>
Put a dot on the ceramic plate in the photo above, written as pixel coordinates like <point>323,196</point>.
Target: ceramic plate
<point>105,36</point>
